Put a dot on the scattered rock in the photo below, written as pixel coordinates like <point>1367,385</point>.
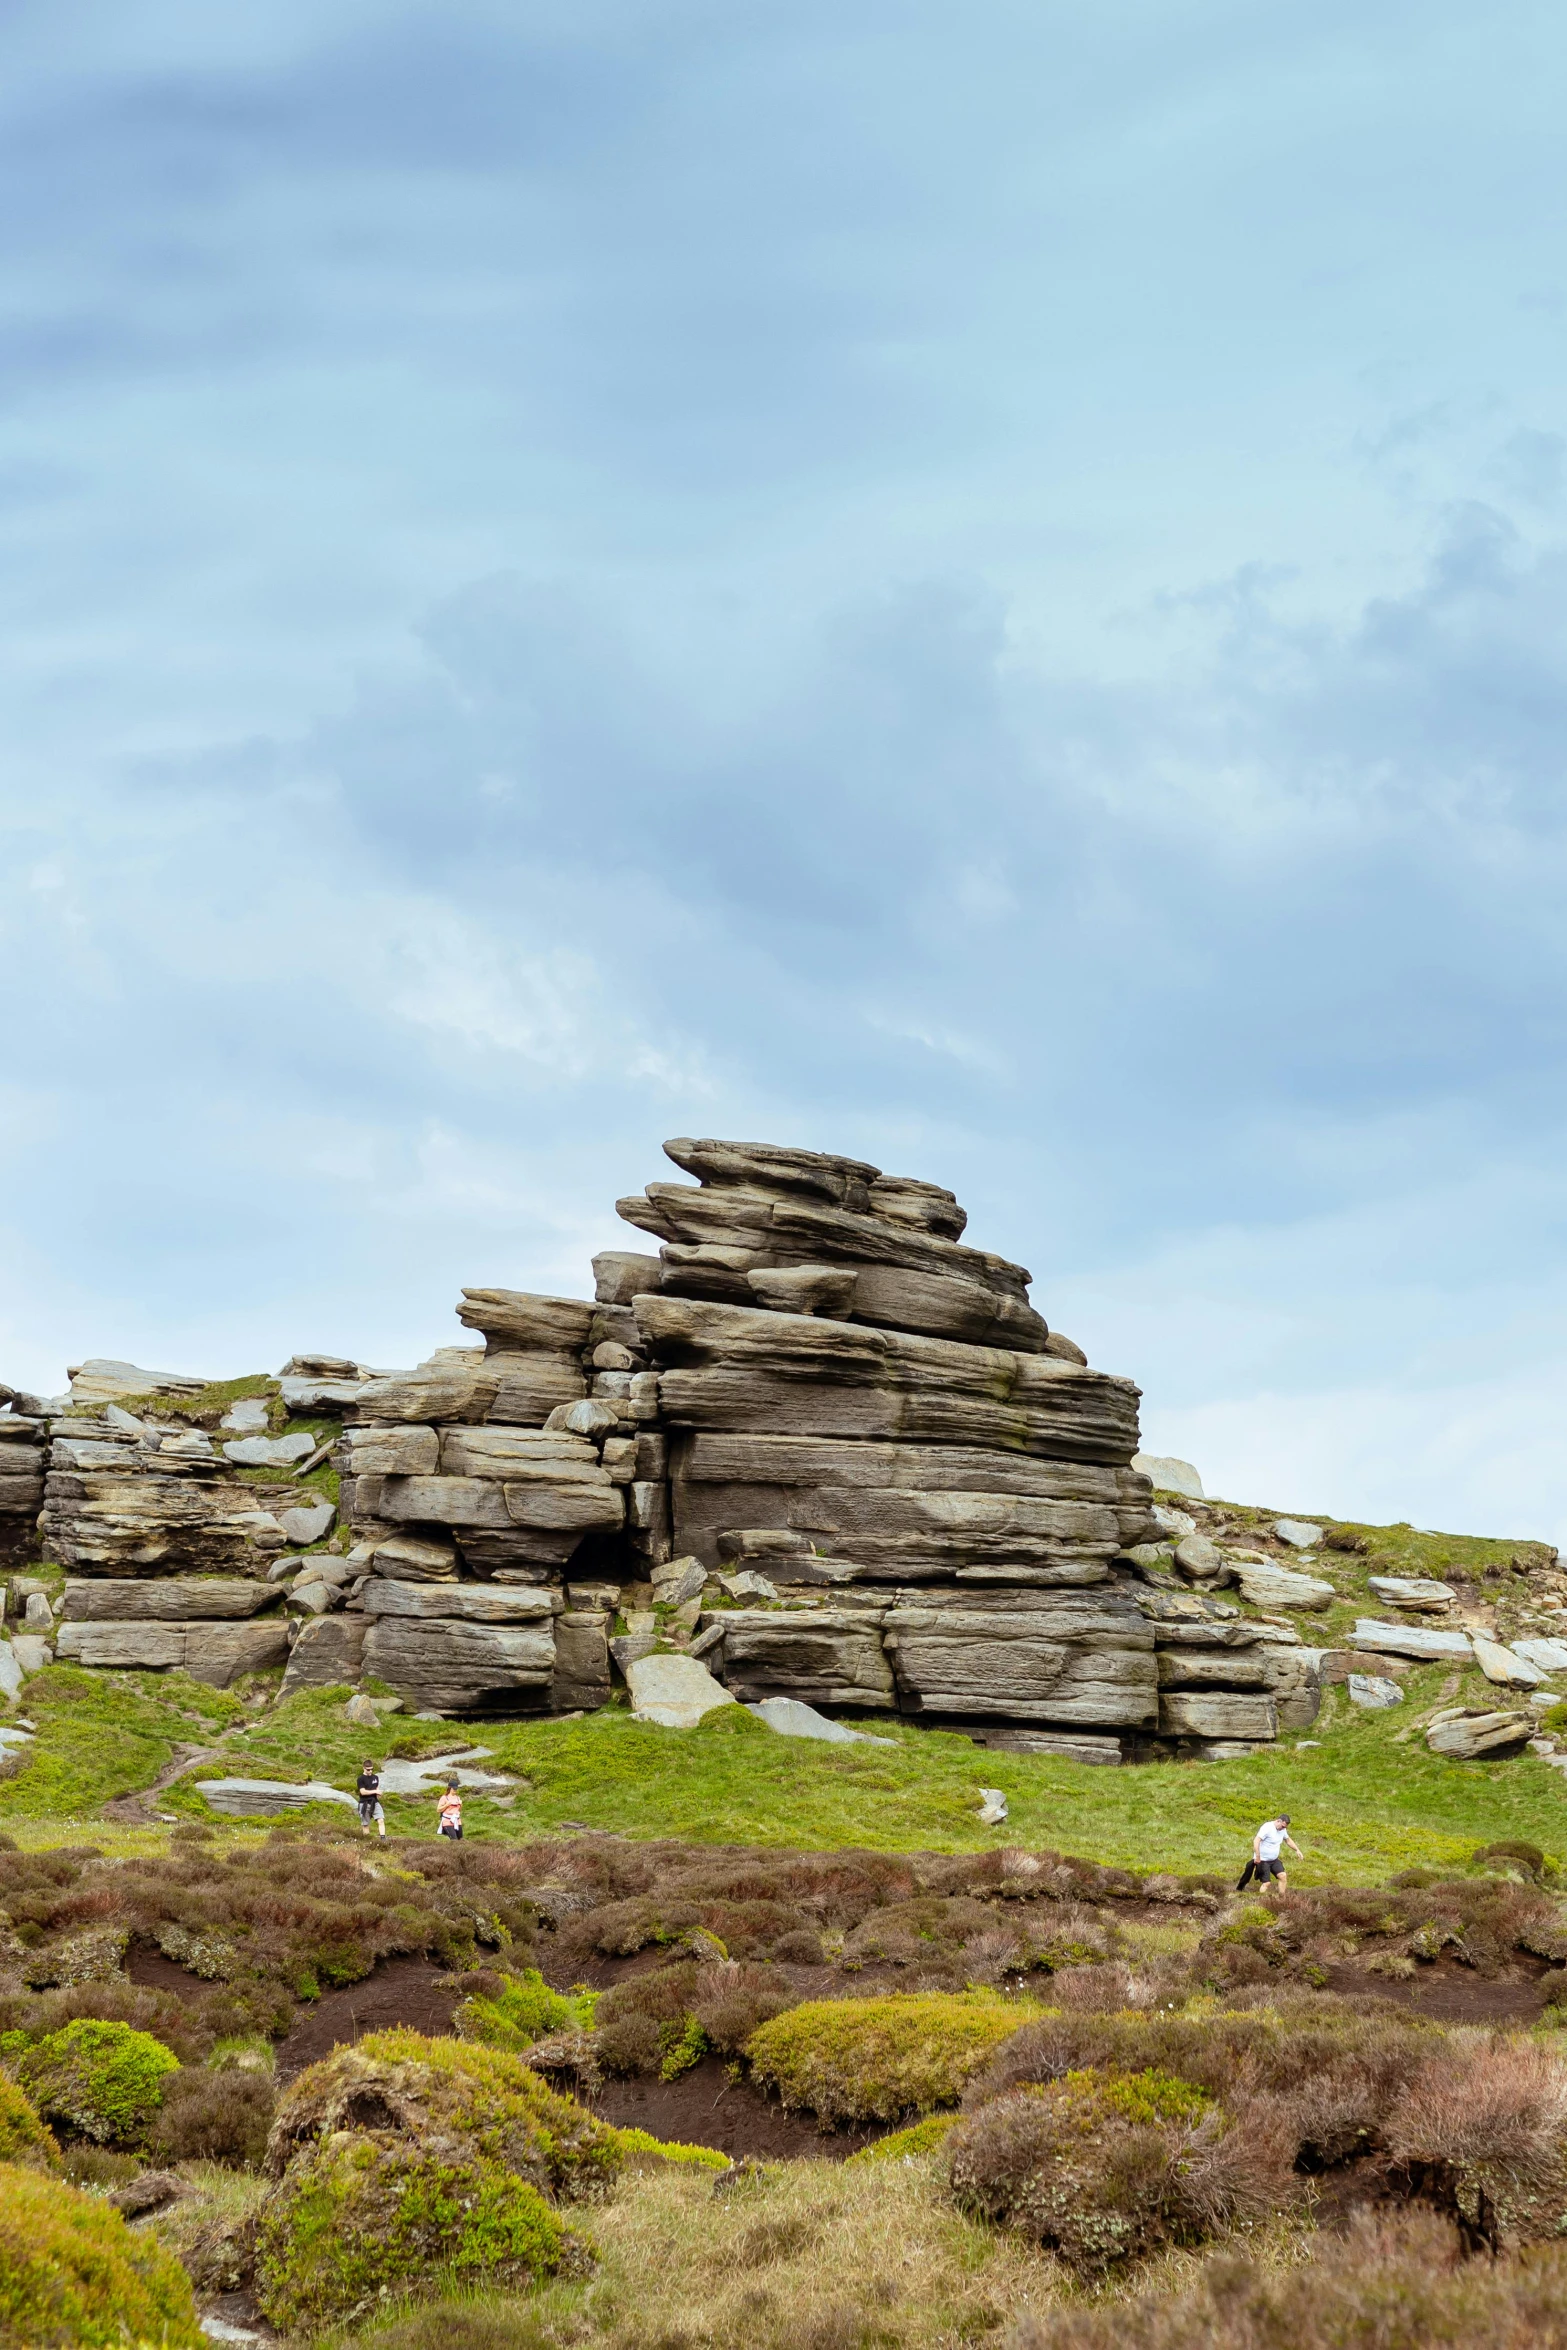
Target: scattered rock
<point>265,1452</point>
<point>1297,1533</point>
<point>791,1719</point>
<point>361,1712</point>
<point>673,1691</point>
<point>1549,1655</point>
<point>1169,1475</point>
<point>1470,1732</point>
<point>1199,1559</point>
<point>1503,1665</point>
<point>307,1524</point>
<point>1266,1585</point>
<point>248,1417</point>
<point>31,1653</point>
<point>748,1585</point>
<point>1416,1640</point>
<point>992,1807</point>
<point>1412,1591</point>
<point>1372,1690</point>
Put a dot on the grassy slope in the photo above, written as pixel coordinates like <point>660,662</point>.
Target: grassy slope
<point>1366,1801</point>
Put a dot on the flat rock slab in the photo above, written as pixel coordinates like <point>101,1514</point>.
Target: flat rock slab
<point>1216,1713</point>
<point>1062,1744</point>
<point>791,1719</point>
<point>1466,1735</point>
<point>427,1778</point>
<point>1371,1690</point>
<point>266,1452</point>
<point>673,1691</point>
<point>1549,1655</point>
<point>475,1603</point>
<point>245,1798</point>
<point>1270,1586</point>
<point>166,1599</point>
<point>1414,1591</point>
<point>1504,1665</point>
<point>1417,1640</point>
<point>1299,1533</point>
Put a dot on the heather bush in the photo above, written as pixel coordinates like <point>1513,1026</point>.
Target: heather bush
<point>877,2059</point>
<point>1482,2131</point>
<point>73,2276</point>
<point>213,2116</point>
<point>1103,2167</point>
<point>1389,2282</point>
<point>102,2081</point>
<point>665,2020</point>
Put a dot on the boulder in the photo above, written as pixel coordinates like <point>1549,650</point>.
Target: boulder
<point>619,1276</point>
<point>1372,1690</point>
<point>11,1675</point>
<point>308,1523</point>
<point>219,1653</point>
<point>1215,1713</point>
<point>455,1667</point>
<point>1504,1665</point>
<point>582,1681</point>
<point>1266,1585</point>
<point>1412,1591</point>
<point>1297,1533</point>
<point>248,1417</point>
<point>1468,1732</point>
<point>325,1654</point>
<point>791,1719</point>
<point>1168,1475</point>
<point>1200,1560</point>
<point>1414,1640</point>
<point>673,1691</point>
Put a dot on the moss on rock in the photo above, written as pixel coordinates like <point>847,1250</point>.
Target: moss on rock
<point>73,2276</point>
<point>356,2218</point>
<point>441,2095</point>
<point>102,2080</point>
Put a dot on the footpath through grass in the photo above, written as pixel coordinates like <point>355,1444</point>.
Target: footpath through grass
<point>1365,1801</point>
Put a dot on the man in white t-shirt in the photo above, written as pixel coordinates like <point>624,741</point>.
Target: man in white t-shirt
<point>1267,1851</point>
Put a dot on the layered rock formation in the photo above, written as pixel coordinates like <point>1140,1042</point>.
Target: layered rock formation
<point>817,1439</point>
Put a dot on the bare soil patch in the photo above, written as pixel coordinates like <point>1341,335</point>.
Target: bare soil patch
<point>704,2107</point>
<point>1449,1993</point>
<point>410,1991</point>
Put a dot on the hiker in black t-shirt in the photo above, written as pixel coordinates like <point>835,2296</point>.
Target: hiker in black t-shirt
<point>368,1790</point>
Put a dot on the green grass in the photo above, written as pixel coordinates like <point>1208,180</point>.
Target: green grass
<point>105,1734</point>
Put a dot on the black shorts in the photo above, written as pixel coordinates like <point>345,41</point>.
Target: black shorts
<point>455,1833</point>
<point>1269,1868</point>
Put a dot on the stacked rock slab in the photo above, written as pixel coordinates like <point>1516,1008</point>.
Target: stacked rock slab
<point>852,1397</point>
<point>21,1475</point>
<point>817,1438</point>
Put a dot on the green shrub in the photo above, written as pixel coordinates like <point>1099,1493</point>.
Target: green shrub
<point>23,2137</point>
<point>73,2276</point>
<point>921,2137</point>
<point>436,2094</point>
<point>355,2219</point>
<point>521,2010</point>
<point>874,2059</point>
<point>103,2080</point>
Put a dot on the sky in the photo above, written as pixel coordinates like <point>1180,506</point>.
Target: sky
<point>984,588</point>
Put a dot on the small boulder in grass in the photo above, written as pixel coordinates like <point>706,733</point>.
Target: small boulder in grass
<point>1299,1533</point>
<point>1372,1690</point>
<point>361,1711</point>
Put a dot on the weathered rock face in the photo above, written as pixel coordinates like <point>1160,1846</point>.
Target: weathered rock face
<point>917,1497</point>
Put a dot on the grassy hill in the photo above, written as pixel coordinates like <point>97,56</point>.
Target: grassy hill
<point>1367,1798</point>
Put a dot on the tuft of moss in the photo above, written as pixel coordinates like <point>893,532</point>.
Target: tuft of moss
<point>102,2080</point>
<point>24,2137</point>
<point>642,2143</point>
<point>874,2059</point>
<point>355,2220</point>
<point>522,2011</point>
<point>73,2276</point>
<point>922,2137</point>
